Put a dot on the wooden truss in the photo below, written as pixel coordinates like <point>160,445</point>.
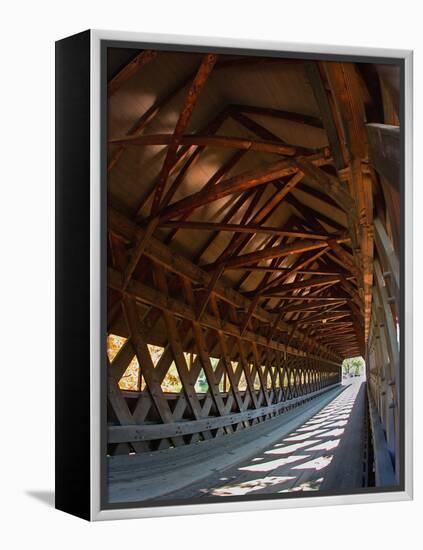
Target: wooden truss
<point>261,347</point>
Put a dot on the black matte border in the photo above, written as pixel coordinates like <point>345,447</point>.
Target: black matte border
<point>105,44</point>
<point>72,248</point>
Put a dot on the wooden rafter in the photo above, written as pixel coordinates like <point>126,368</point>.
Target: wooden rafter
<point>191,99</point>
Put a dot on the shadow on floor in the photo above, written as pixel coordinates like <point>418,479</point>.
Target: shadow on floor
<point>45,497</point>
<point>298,462</point>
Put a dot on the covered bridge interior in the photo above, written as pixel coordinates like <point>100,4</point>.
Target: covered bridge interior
<point>253,243</point>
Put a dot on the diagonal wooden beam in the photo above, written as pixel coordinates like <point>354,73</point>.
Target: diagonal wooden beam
<point>249,313</point>
<point>141,242</point>
<point>143,120</point>
<point>216,178</point>
<point>277,113</point>
<point>226,142</point>
<point>191,99</point>
<point>144,359</point>
<point>329,184</point>
<point>276,252</point>
<point>262,214</point>
<point>347,91</point>
<point>236,184</point>
<point>309,307</point>
<point>344,256</point>
<point>324,317</point>
<point>203,352</point>
<point>210,287</point>
<point>340,155</point>
<point>297,267</point>
<point>250,228</point>
<point>184,159</point>
<point>127,230</point>
<point>177,351</point>
<point>152,297</point>
<point>306,283</point>
<point>129,70</point>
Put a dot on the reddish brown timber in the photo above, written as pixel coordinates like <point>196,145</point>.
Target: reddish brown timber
<point>143,120</point>
<point>288,270</point>
<point>276,113</point>
<point>309,307</point>
<point>210,287</point>
<point>276,252</point>
<point>300,264</point>
<point>190,155</point>
<point>156,250</point>
<point>248,228</point>
<point>347,91</point>
<point>249,313</point>
<point>198,140</point>
<point>191,99</point>
<point>152,297</point>
<point>326,111</point>
<point>344,256</point>
<point>130,69</point>
<point>238,183</point>
<point>329,184</point>
<point>144,359</point>
<point>216,178</point>
<point>307,283</point>
<point>336,314</point>
<point>239,243</point>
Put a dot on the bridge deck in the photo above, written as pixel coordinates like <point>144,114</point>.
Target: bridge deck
<point>318,445</point>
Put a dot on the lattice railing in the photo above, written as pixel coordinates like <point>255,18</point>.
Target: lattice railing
<point>251,365</point>
<point>244,384</point>
<point>147,432</point>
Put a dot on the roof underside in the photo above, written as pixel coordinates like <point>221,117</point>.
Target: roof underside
<point>248,116</point>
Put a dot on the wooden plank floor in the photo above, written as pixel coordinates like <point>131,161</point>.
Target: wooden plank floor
<point>317,445</point>
<point>323,453</point>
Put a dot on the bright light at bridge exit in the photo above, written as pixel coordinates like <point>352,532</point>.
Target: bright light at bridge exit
<point>353,367</point>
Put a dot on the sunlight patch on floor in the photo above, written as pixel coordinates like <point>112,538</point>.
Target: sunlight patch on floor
<point>311,485</point>
<point>249,486</point>
<point>335,433</point>
<point>316,464</point>
<point>325,446</point>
